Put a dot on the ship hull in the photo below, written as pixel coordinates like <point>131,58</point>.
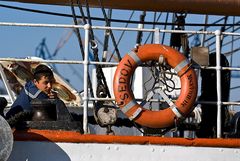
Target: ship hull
<point>49,145</point>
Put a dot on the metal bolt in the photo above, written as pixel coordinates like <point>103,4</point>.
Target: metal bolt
<point>108,147</point>
<point>116,148</point>
<point>152,150</point>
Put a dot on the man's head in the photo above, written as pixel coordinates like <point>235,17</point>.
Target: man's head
<point>43,78</point>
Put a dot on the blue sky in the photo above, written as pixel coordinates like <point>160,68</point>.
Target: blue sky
<point>22,42</point>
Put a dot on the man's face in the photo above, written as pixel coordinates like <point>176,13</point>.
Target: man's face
<point>44,84</point>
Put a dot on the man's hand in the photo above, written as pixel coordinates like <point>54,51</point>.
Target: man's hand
<point>53,94</point>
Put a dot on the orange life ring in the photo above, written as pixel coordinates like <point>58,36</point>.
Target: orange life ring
<point>124,95</point>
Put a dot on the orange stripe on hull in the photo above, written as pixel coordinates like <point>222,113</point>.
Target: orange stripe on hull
<point>75,137</point>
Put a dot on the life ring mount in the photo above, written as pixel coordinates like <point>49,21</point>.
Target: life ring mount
<point>126,100</point>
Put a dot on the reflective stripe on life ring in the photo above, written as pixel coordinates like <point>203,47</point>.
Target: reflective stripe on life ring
<point>126,100</point>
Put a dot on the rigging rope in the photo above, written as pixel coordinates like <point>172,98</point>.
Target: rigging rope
<point>110,31</point>
<point>140,26</point>
<point>81,48</point>
<point>102,88</point>
<point>154,20</point>
<point>77,30</point>
<point>121,36</point>
<point>175,40</point>
<point>106,38</point>
<point>179,40</point>
<point>165,27</point>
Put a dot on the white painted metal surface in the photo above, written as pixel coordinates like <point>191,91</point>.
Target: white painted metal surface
<point>85,89</point>
<point>137,82</point>
<point>219,94</point>
<point>47,151</point>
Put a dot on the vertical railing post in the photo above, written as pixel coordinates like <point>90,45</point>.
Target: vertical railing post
<point>157,36</point>
<point>85,94</point>
<point>218,71</point>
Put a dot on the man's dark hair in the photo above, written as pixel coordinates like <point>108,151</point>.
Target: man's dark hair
<point>42,70</point>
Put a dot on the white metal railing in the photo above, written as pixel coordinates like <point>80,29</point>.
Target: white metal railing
<point>85,96</point>
<point>219,94</point>
<point>86,61</point>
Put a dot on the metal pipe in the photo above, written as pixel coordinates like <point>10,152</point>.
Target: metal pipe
<point>40,25</point>
<point>42,61</point>
<point>85,84</point>
<point>218,71</point>
<point>161,100</point>
<point>157,36</point>
<point>111,28</point>
<point>157,100</point>
<point>97,63</point>
<point>58,61</point>
<point>223,68</point>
